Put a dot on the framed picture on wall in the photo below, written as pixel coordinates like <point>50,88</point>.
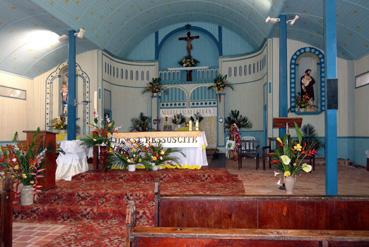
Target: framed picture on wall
<point>13,93</point>
<point>362,79</point>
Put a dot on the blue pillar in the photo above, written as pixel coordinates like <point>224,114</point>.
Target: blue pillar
<point>331,112</point>
<point>283,101</point>
<point>72,114</point>
<point>156,45</point>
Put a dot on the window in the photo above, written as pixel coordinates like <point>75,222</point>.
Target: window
<point>229,71</point>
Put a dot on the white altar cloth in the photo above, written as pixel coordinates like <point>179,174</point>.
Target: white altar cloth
<point>73,161</point>
<point>191,143</point>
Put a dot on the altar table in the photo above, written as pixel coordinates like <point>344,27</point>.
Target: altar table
<point>191,143</point>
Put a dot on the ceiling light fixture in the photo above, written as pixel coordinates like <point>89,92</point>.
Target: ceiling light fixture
<point>291,22</point>
<point>272,20</point>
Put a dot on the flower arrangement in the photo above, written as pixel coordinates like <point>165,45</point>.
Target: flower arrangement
<point>178,119</point>
<point>59,123</point>
<point>302,102</point>
<point>197,117</point>
<point>102,132</point>
<point>156,155</point>
<point>142,123</point>
<point>127,152</point>
<point>154,86</point>
<point>188,61</point>
<point>23,162</point>
<point>290,154</point>
<point>220,83</point>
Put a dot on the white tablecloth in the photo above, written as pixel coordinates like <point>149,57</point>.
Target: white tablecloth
<point>194,155</point>
<point>73,162</point>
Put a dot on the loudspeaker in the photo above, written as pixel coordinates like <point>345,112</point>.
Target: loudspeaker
<point>332,93</point>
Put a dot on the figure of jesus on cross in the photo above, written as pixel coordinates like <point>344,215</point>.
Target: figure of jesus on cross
<point>189,39</point>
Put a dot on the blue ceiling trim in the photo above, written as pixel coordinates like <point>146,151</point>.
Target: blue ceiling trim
<point>188,28</point>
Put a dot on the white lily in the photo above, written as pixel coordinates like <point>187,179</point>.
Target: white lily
<point>306,167</point>
<point>285,159</point>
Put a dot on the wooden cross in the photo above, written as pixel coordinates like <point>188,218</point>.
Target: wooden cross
<point>189,39</point>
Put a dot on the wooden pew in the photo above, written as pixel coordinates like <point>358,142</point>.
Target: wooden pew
<point>6,212</point>
<point>172,236</point>
<point>256,221</point>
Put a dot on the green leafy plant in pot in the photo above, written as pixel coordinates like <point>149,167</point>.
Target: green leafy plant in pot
<point>154,87</point>
<point>142,123</point>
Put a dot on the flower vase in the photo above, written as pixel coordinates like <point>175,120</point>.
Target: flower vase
<point>27,195</point>
<point>178,126</point>
<point>132,167</point>
<point>155,168</point>
<point>290,184</point>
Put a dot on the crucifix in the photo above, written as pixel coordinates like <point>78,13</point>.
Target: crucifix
<point>189,39</point>
<point>188,60</point>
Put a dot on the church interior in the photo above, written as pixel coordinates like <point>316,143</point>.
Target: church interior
<point>184,123</point>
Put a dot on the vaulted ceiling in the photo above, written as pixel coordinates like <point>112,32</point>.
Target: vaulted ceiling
<point>118,25</point>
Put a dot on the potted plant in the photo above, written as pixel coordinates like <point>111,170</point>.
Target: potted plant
<point>220,83</point>
<point>154,87</point>
<point>178,119</point>
<point>289,158</point>
<point>236,118</point>
<point>310,137</point>
<point>23,163</point>
<point>142,123</point>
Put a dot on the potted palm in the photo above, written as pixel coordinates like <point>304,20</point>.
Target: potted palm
<point>154,87</point>
<point>235,117</point>
<point>220,83</point>
<point>178,119</point>
<point>142,123</point>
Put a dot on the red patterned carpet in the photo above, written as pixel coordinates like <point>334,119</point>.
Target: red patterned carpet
<point>94,203</point>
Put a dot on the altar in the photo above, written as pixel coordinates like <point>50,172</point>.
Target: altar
<point>191,143</point>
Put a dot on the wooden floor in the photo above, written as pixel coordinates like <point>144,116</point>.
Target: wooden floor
<point>351,181</point>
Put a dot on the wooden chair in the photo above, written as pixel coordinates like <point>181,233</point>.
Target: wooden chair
<point>268,151</point>
<point>248,149</point>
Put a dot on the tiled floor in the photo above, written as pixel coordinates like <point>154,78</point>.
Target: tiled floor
<point>32,235</point>
<point>351,180</point>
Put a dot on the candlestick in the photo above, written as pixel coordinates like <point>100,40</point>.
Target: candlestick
<point>197,125</point>
<point>190,125</point>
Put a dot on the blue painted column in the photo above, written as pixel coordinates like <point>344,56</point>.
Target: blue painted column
<point>283,99</point>
<point>332,104</point>
<point>72,108</point>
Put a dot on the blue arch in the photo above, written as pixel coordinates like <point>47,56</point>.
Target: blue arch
<point>293,77</point>
<point>203,93</point>
<point>186,28</point>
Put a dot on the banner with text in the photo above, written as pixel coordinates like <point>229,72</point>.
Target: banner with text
<point>188,112</point>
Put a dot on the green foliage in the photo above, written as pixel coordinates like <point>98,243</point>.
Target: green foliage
<point>154,86</point>
<point>197,116</point>
<point>310,136</point>
<point>157,155</point>
<point>142,123</point>
<point>239,120</point>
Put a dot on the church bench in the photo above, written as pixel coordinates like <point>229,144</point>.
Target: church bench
<point>6,212</point>
<point>172,236</point>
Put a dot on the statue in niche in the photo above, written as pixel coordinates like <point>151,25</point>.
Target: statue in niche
<point>64,95</point>
<point>307,88</point>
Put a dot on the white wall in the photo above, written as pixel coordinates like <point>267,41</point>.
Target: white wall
<point>362,100</point>
<point>14,112</point>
